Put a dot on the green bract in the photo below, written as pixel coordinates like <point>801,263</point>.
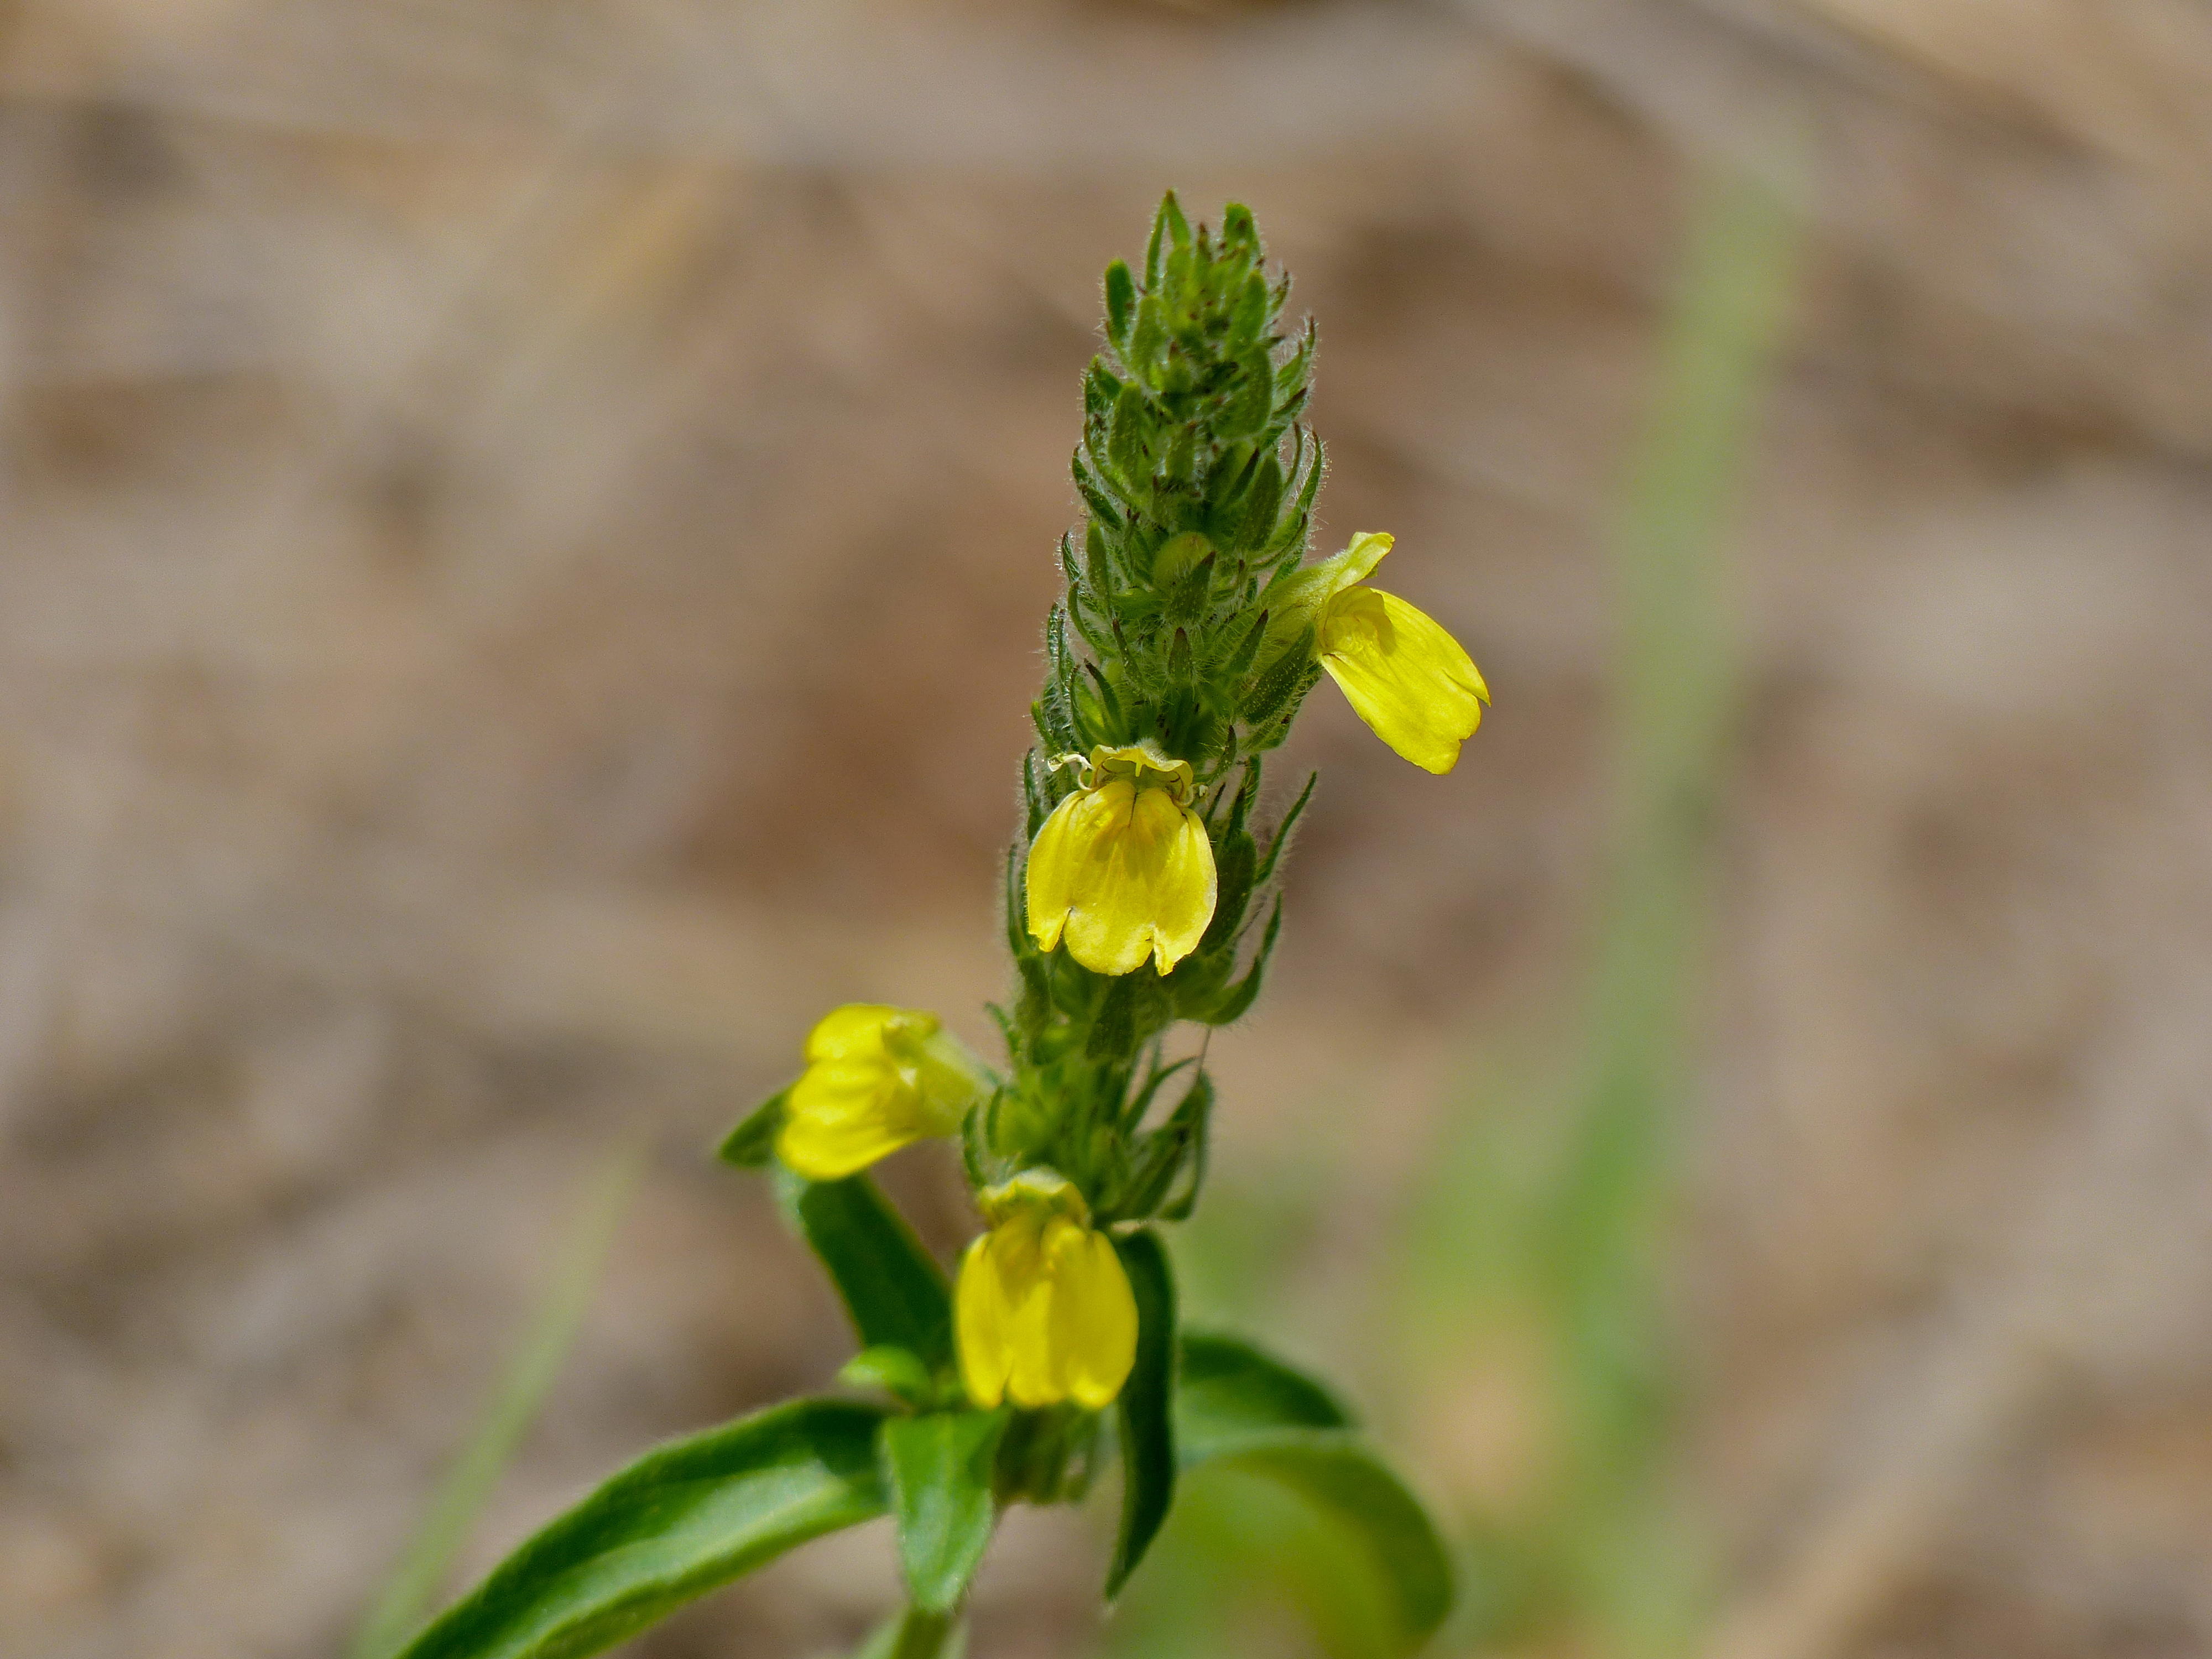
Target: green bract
<point>1178,656</point>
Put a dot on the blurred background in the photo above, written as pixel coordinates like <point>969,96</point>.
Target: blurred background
<point>525,528</point>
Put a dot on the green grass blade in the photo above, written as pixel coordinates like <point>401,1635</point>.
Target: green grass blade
<point>514,1405</point>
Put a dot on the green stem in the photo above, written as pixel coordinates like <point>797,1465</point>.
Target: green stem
<point>916,1633</point>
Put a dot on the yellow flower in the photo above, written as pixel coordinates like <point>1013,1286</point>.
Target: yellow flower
<point>1402,673</point>
<point>1123,868</point>
<point>1044,1310</point>
<point>876,1079</point>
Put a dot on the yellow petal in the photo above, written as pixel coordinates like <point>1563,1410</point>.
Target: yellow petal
<point>1094,1319</point>
<point>1358,561</point>
<point>1025,1283</point>
<point>843,1115</point>
<point>1304,597</point>
<point>1124,872</point>
<point>1145,884</point>
<point>1043,1311</point>
<point>1403,674</point>
<point>1144,764</point>
<point>979,1320</point>
<point>862,1028</point>
<point>1186,891</point>
<point>1056,861</point>
<point>1033,1189</point>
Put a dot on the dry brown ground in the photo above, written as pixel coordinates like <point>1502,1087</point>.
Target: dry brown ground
<point>524,527</point>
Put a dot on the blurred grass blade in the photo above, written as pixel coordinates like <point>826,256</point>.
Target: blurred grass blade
<point>1676,689</point>
<point>1677,669</point>
<point>512,1407</point>
<point>1545,1224</point>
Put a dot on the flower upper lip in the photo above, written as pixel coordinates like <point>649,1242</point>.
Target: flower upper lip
<point>1134,760</point>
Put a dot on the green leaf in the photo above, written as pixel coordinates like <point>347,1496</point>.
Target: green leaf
<point>892,1288</point>
<point>1333,1470</point>
<point>1113,1029</point>
<point>1147,1432</point>
<point>1126,454</point>
<point>677,1523</point>
<point>1233,1394</point>
<point>1120,302</point>
<point>897,1371</point>
<point>1133,1114</point>
<point>1281,838</point>
<point>1237,230</point>
<point>1178,228</point>
<point>1238,1407</point>
<point>1146,341</point>
<point>940,1477</point>
<point>1249,316</point>
<point>1239,662</point>
<point>1255,400</point>
<point>1236,1000</point>
<point>1282,681</point>
<point>1236,866</point>
<point>752,1143</point>
<point>1163,1155</point>
<point>1288,539</point>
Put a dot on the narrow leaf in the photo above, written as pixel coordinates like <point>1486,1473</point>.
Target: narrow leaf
<point>940,1479</point>
<point>1236,1001</point>
<point>1120,302</point>
<point>1236,867</point>
<point>1148,1435</point>
<point>1200,1106</point>
<point>1233,1394</point>
<point>752,1143</point>
<point>1282,836</point>
<point>1133,1114</point>
<point>892,1288</point>
<point>1178,227</point>
<point>897,1371</point>
<point>677,1523</point>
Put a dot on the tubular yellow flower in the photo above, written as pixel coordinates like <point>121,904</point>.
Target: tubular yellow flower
<point>1123,869</point>
<point>876,1079</point>
<point>1413,684</point>
<point>1044,1309</point>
